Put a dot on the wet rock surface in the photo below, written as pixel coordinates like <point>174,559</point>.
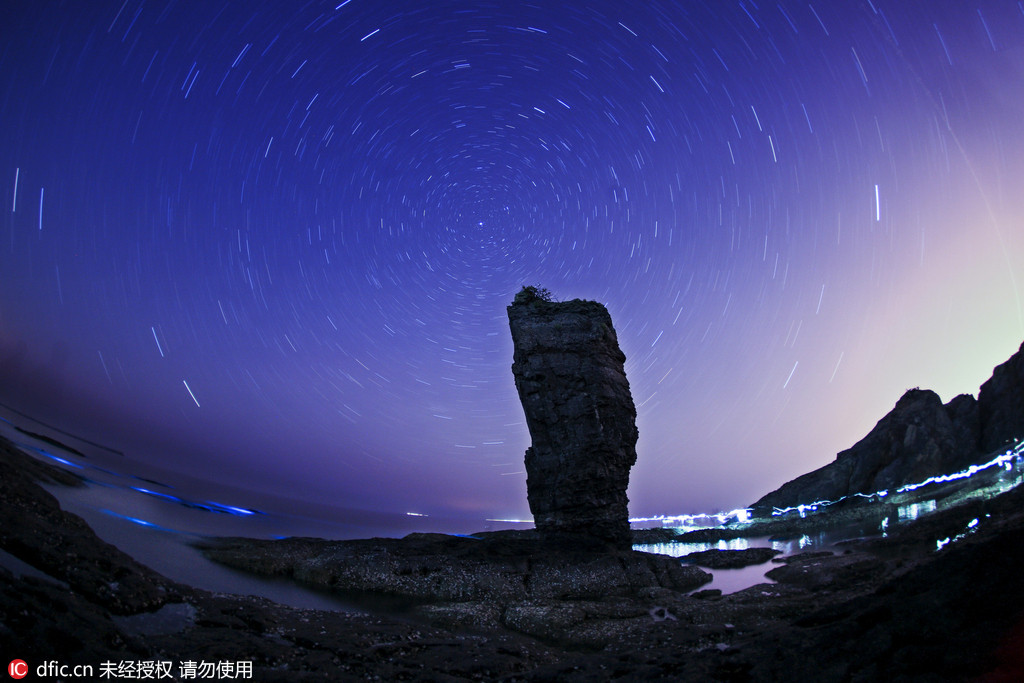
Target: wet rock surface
<point>817,570</point>
<point>730,559</point>
<point>569,374</point>
<point>496,566</point>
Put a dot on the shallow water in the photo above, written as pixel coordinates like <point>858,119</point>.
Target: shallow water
<point>170,553</point>
<point>732,580</point>
<point>155,517</point>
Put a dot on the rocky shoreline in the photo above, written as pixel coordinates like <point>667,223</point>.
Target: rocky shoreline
<point>505,607</point>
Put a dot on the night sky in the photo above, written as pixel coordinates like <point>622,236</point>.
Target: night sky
<point>270,244</point>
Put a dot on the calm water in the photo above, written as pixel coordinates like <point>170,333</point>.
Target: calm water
<point>732,580</point>
<point>155,516</point>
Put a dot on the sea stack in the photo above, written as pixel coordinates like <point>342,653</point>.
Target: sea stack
<point>569,373</point>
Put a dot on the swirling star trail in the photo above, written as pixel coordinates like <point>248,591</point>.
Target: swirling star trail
<point>274,241</point>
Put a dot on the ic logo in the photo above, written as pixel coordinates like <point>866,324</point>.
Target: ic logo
<point>17,668</point>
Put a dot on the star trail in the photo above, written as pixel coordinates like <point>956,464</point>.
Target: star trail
<point>271,244</point>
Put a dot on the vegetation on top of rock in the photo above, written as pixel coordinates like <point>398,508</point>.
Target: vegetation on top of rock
<point>529,294</point>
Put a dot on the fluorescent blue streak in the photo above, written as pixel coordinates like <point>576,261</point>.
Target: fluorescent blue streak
<point>136,520</point>
<point>1005,460</point>
<point>698,521</point>
<point>43,453</point>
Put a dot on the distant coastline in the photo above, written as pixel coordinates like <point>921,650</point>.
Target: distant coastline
<point>56,429</point>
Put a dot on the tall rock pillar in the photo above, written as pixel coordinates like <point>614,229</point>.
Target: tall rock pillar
<point>569,373</point>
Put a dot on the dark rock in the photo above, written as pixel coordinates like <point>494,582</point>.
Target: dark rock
<point>943,619</point>
<point>1001,404</point>
<point>730,559</point>
<point>915,441</point>
<point>919,438</point>
<point>171,618</point>
<point>51,441</point>
<point>817,570</point>
<point>569,373</point>
<point>435,567</point>
<point>965,413</point>
<point>656,535</point>
<point>477,615</point>
<point>62,546</point>
<point>581,623</point>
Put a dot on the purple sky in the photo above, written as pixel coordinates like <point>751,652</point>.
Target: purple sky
<point>271,243</point>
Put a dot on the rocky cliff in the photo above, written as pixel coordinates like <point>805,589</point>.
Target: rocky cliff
<point>919,438</point>
<point>569,373</point>
<point>1001,404</point>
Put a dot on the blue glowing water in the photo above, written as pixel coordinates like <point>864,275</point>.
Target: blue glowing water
<point>156,516</point>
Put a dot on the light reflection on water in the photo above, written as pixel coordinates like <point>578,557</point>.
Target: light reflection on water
<point>997,476</point>
<point>725,580</point>
<point>908,513</point>
<point>1003,472</point>
<point>789,546</point>
<point>732,580</point>
<point>159,532</point>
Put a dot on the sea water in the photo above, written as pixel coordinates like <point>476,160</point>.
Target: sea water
<point>157,517</point>
<point>732,580</point>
